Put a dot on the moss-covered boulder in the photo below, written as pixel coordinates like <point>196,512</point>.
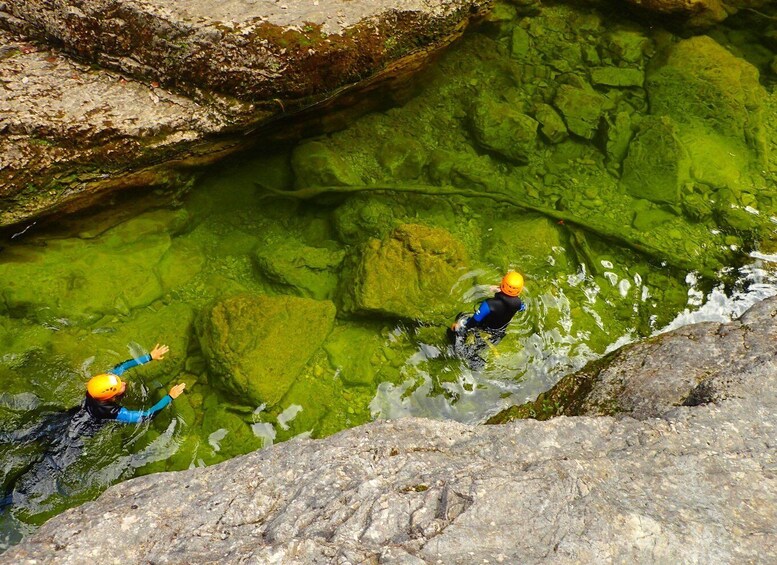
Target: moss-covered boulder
<point>342,346</point>
<point>309,271</point>
<point>551,124</point>
<point>618,131</point>
<point>624,47</point>
<point>315,164</point>
<point>225,432</point>
<point>531,244</point>
<point>699,82</point>
<point>256,345</point>
<point>408,274</point>
<point>581,108</point>
<point>657,164</point>
<point>363,217</point>
<point>499,127</point>
<point>617,76</point>
<point>403,158</point>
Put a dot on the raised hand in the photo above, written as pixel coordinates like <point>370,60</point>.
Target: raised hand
<point>176,391</point>
<point>159,352</point>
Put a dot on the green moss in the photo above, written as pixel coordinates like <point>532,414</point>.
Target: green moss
<point>657,164</point>
<point>617,76</point>
<point>409,274</point>
<point>308,271</point>
<point>581,108</point>
<point>551,124</point>
<point>699,81</point>
<point>531,244</point>
<point>501,128</point>
<point>315,164</point>
<point>257,345</point>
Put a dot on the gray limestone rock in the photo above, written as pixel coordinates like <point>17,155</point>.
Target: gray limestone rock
<point>678,483</point>
<point>161,86</point>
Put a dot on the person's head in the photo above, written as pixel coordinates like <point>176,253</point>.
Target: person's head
<point>512,284</point>
<point>105,386</point>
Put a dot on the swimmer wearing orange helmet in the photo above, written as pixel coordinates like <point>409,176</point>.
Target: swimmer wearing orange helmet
<point>104,389</point>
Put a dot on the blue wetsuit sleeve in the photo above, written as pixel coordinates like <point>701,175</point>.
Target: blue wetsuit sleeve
<point>523,307</point>
<point>481,312</point>
<point>118,370</point>
<point>135,416</point>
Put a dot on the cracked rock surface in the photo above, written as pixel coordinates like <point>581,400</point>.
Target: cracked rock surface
<point>137,92</point>
<point>680,484</point>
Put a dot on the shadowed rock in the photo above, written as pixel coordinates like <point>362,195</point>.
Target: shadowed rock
<point>161,87</point>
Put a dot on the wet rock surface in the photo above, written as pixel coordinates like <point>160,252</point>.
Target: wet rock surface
<point>161,88</point>
<point>678,483</point>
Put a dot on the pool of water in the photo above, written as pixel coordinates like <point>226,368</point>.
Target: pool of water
<point>336,264</point>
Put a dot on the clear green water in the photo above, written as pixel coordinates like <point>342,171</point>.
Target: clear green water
<point>606,261</point>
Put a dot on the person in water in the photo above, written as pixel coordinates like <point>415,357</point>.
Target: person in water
<point>104,389</point>
<point>488,324</point>
<point>60,436</point>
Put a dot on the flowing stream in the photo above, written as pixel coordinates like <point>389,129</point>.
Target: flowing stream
<point>390,227</point>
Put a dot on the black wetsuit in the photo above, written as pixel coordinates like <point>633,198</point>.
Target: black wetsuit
<point>489,322</point>
<point>58,438</point>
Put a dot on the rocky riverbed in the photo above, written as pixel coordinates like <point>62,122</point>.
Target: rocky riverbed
<point>691,479</point>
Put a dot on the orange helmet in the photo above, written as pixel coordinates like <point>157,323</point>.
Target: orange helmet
<point>512,284</point>
<point>105,386</point>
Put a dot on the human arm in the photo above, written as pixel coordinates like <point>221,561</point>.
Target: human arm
<point>136,416</point>
<point>119,369</point>
<point>481,312</point>
<point>157,353</point>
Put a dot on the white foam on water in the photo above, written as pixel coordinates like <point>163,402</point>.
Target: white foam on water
<point>538,360</point>
<point>288,415</point>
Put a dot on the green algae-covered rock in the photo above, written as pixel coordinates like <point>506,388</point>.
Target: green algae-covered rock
<point>625,46</point>
<point>657,164</point>
<point>498,127</point>
<point>182,262</point>
<point>617,76</point>
<point>363,217</point>
<point>225,433</point>
<point>618,129</point>
<point>81,280</point>
<point>354,351</point>
<point>256,345</point>
<point>649,216</point>
<point>530,243</point>
<point>402,157</point>
<point>700,81</point>
<point>408,274</point>
<point>315,164</point>
<point>520,43</point>
<point>551,124</point>
<point>581,108</point>
<point>310,271</point>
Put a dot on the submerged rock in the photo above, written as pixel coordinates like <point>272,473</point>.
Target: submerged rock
<point>581,108</point>
<point>657,164</point>
<point>409,274</point>
<point>257,345</point>
<point>309,271</point>
<point>698,82</point>
<point>669,486</point>
<point>315,164</point>
<point>499,127</point>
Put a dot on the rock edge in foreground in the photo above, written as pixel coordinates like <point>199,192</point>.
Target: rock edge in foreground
<point>683,483</point>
